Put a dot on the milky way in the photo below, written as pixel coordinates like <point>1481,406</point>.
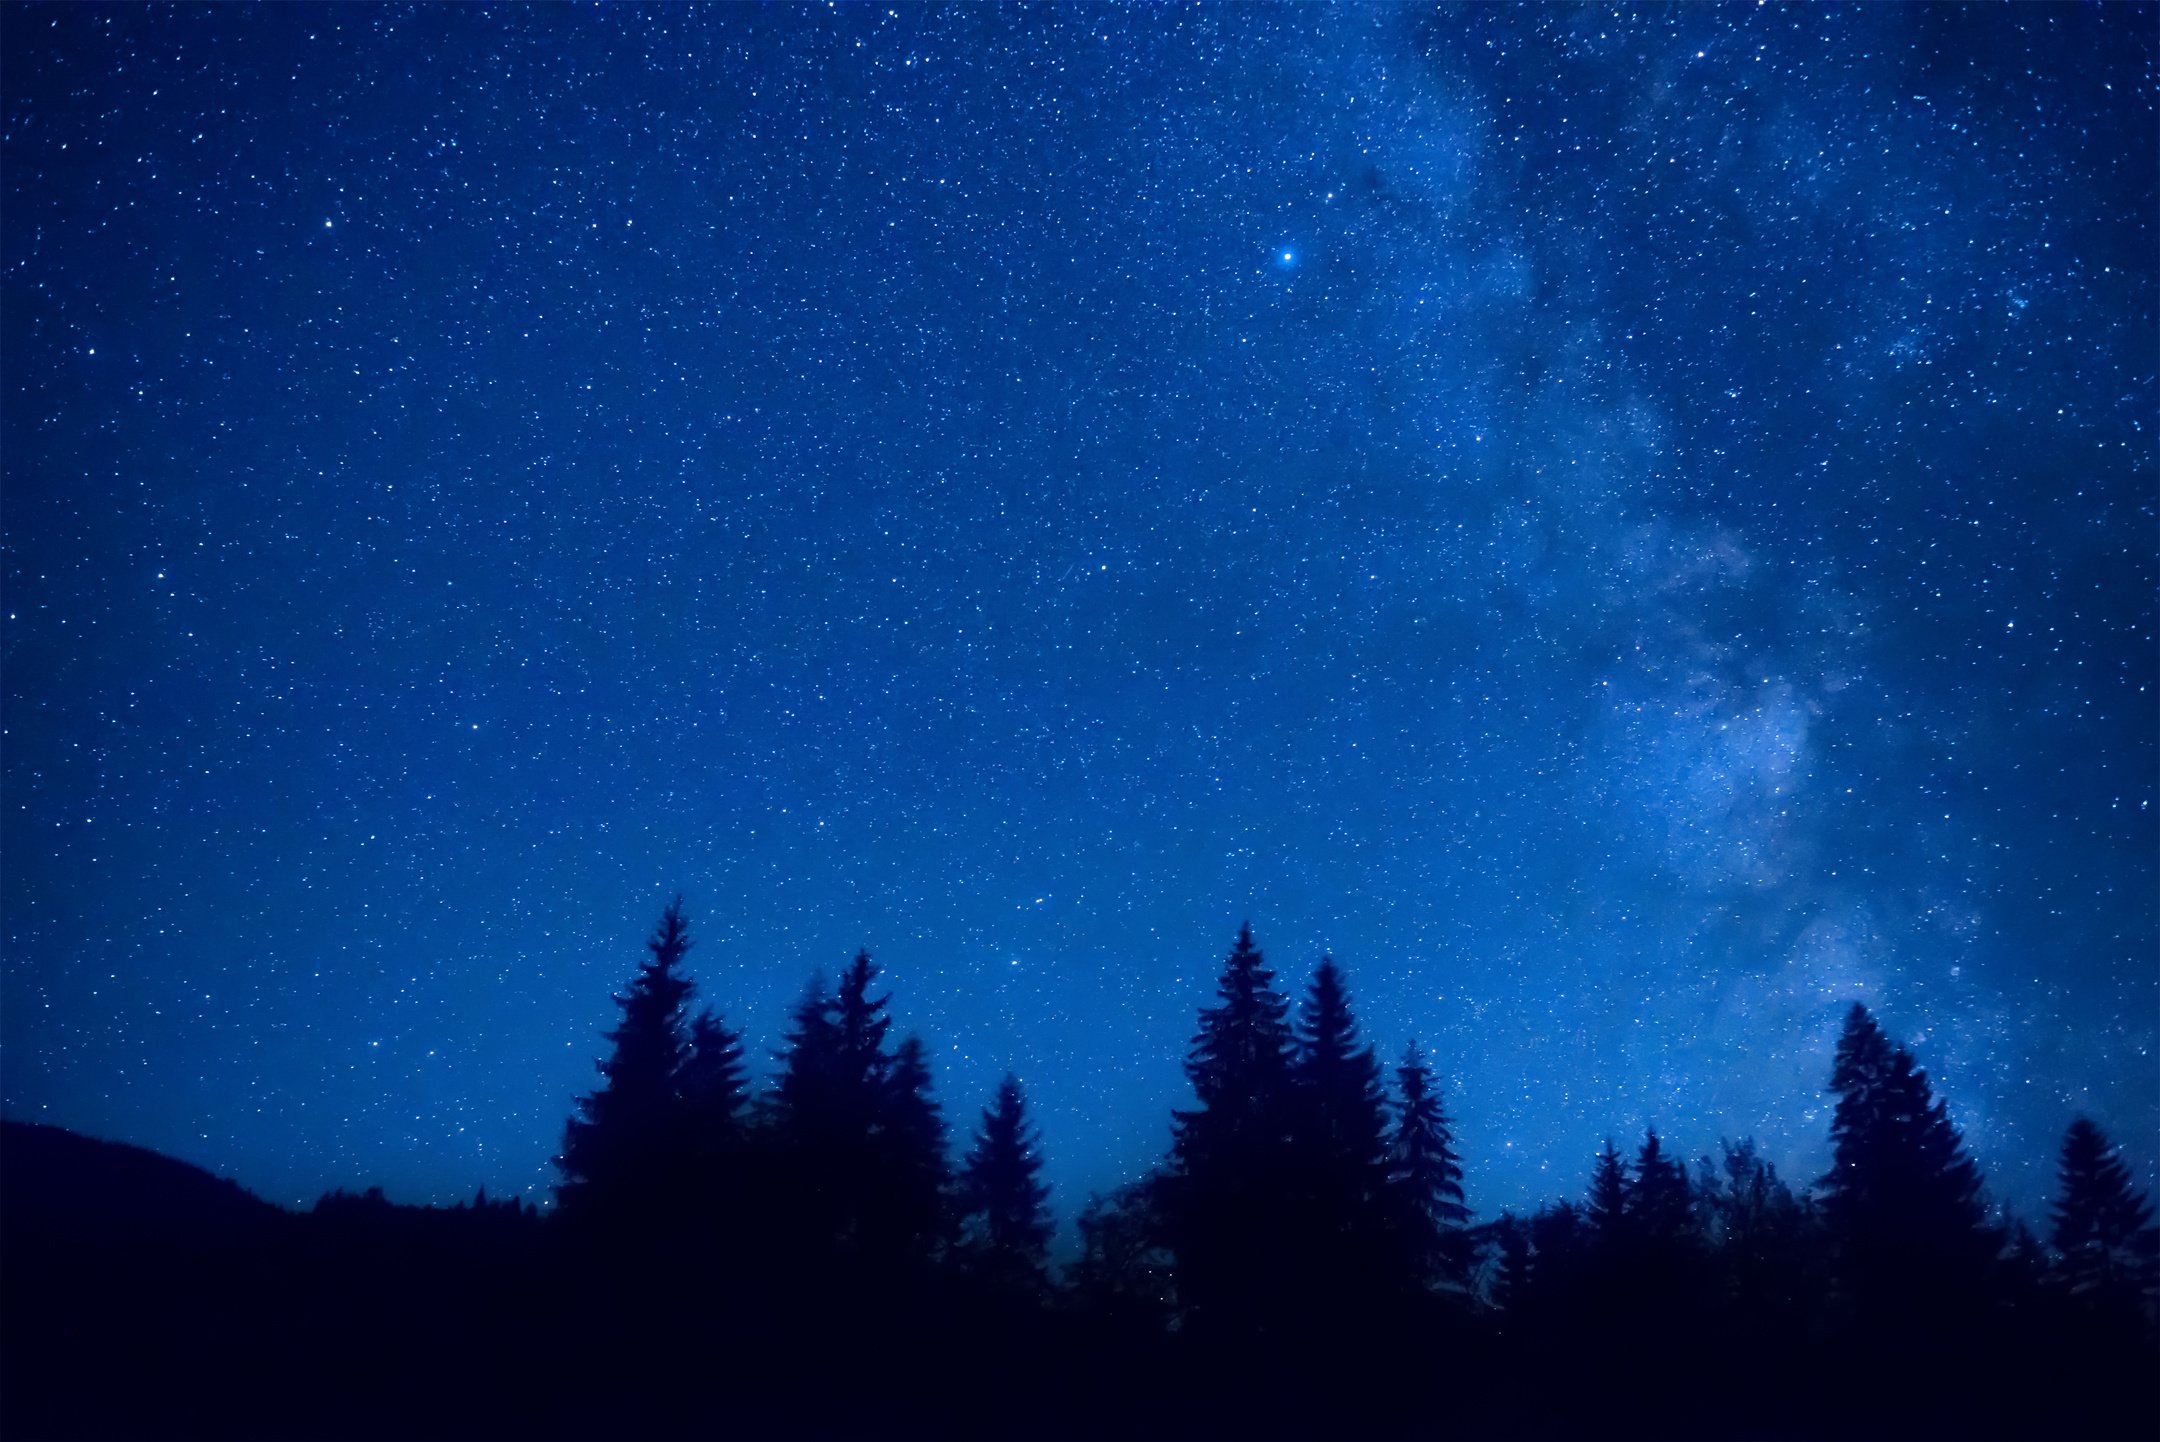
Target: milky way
<point>1630,529</point>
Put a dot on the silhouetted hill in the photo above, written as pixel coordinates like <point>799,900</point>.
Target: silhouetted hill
<point>144,1297</point>
<point>52,1178</point>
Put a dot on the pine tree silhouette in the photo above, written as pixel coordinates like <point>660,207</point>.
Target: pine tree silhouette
<point>803,1090</point>
<point>834,1069</point>
<point>1658,1261</point>
<point>714,1085</point>
<point>1227,1196</point>
<point>862,1021</point>
<point>1607,1211</point>
<point>1239,1064</point>
<point>1338,1255</point>
<point>714,1165</point>
<point>2103,1228</point>
<point>1658,1204</point>
<point>817,1129</point>
<point>1565,1257</point>
<point>1902,1197</point>
<point>1340,1112</point>
<point>911,1172</point>
<point>1511,1273</point>
<point>857,1132</point>
<point>1001,1195</point>
<point>1427,1176</point>
<point>623,1137</point>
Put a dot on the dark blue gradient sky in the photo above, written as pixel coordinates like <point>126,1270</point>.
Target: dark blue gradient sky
<point>1631,528</point>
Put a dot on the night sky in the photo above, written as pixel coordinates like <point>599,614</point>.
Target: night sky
<point>1631,529</point>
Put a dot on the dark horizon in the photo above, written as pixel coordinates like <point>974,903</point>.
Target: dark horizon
<point>840,1256</point>
<point>1063,1208</point>
<point>1630,530</point>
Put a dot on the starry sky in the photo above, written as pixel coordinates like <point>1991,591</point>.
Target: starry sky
<point>1632,529</point>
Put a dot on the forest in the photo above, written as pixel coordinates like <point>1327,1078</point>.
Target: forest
<point>825,1253</point>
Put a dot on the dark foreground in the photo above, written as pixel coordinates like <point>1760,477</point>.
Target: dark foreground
<point>143,1298</point>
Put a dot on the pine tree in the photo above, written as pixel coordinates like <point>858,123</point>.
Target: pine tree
<point>1340,1110</point>
<point>714,1094</point>
<point>620,1141</point>
<point>862,1021</point>
<point>803,1088</point>
<point>1902,1197</point>
<point>1239,1064</point>
<point>1427,1176</point>
<point>1607,1211</point>
<point>2103,1227</point>
<point>1338,1253</point>
<point>1002,1195</point>
<point>834,1068</point>
<point>1565,1250</point>
<point>910,1169</point>
<point>858,1134</point>
<point>1511,1275</point>
<point>818,1130</point>
<point>1658,1202</point>
<point>714,1086</point>
<point>1226,1200</point>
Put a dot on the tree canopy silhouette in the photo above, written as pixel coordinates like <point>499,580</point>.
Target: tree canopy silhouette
<point>1902,1197</point>
<point>1427,1176</point>
<point>1002,1198</point>
<point>1343,1256</point>
<point>793,1255</point>
<point>1228,1192</point>
<point>2103,1227</point>
<point>627,1131</point>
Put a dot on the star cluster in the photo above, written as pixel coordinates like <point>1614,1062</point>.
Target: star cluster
<point>1630,528</point>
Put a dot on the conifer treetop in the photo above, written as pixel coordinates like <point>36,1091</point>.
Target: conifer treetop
<point>1240,1056</point>
<point>2102,1226</point>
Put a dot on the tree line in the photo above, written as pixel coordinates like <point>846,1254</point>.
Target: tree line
<point>1308,1207</point>
<point>816,1253</point>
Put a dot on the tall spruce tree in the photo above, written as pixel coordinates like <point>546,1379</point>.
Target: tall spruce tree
<point>2103,1227</point>
<point>1002,1195</point>
<point>714,1093</point>
<point>1511,1274</point>
<point>1658,1204</point>
<point>802,1088</point>
<point>818,1131</point>
<point>834,1068</point>
<point>863,1021</point>
<point>911,1172</point>
<point>1902,1198</point>
<point>1340,1114</point>
<point>1340,1249</point>
<point>1607,1212</point>
<point>1660,1260</point>
<point>1226,1198</point>
<point>858,1133</point>
<point>1239,1065</point>
<point>1427,1177</point>
<point>715,1089</point>
<point>621,1141</point>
